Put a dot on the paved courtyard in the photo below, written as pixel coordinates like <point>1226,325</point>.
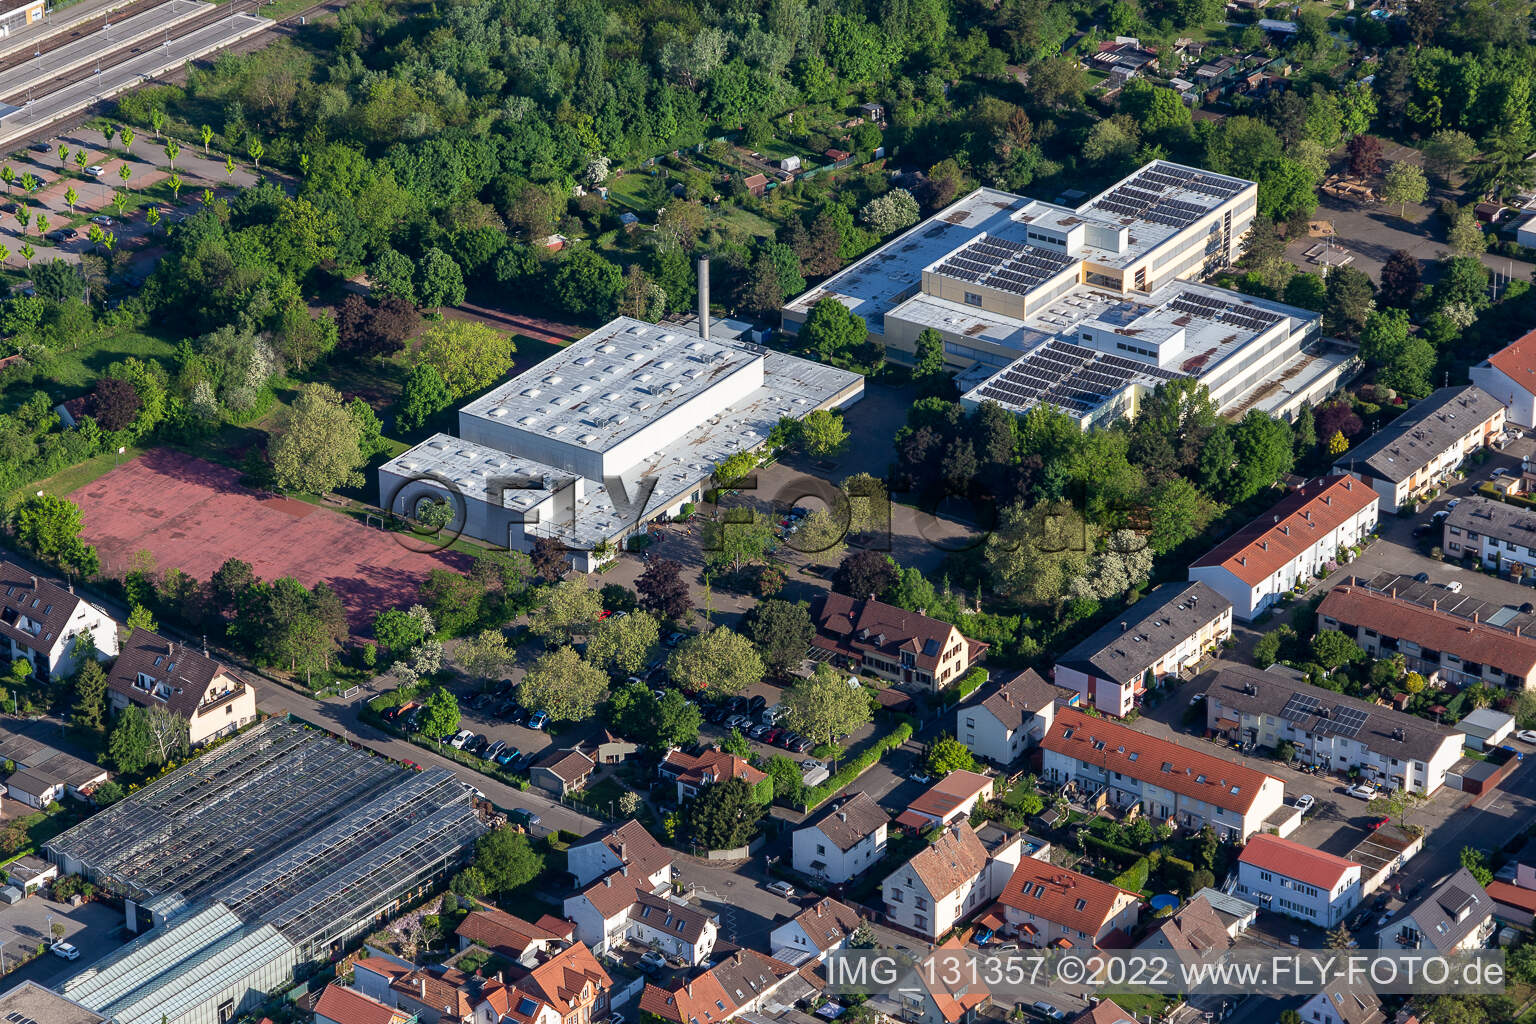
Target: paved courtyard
<point>96,929</point>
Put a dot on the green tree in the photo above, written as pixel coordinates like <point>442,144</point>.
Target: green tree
<point>1333,649</point>
<point>563,685</point>
<point>90,686</point>
<point>1177,512</point>
<point>739,536</point>
<point>825,706</point>
<point>71,197</point>
<point>506,860</point>
<point>49,528</point>
<point>1349,301</point>
<point>822,433</point>
<point>677,721</point>
<point>724,815</point>
<point>1397,804</point>
<point>1476,861</point>
<point>1447,153</point>
<point>319,446</point>
<point>423,396</point>
<point>782,631</point>
<point>720,663</point>
<point>140,617</point>
<point>1404,184</point>
<point>486,654</point>
<point>947,754</point>
<point>131,745</point>
<point>1339,938</point>
<point>469,356</point>
<point>624,645</point>
<point>440,281</point>
<point>586,284</point>
<point>257,151</point>
<point>1465,235</point>
<point>569,608</point>
<point>832,330</point>
<point>399,631</point>
<point>928,360</point>
<point>441,717</point>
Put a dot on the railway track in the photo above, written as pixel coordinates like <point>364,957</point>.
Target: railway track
<point>80,31</point>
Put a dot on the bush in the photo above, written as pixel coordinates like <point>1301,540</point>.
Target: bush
<point>1134,878</point>
<point>814,796</point>
<point>1122,856</point>
<point>1179,872</point>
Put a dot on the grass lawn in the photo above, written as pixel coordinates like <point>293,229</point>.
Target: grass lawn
<point>1140,1005</point>
<point>74,370</point>
<point>77,476</point>
<point>603,795</point>
<point>632,192</point>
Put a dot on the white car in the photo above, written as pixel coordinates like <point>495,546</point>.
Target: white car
<point>65,950</point>
<point>1452,503</point>
<point>96,170</point>
<point>1526,735</point>
<point>460,738</point>
<point>1454,586</point>
<point>1047,1011</point>
<point>782,888</point>
<point>1305,802</point>
<point>1364,791</point>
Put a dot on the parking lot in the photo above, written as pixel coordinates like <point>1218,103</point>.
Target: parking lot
<point>95,929</point>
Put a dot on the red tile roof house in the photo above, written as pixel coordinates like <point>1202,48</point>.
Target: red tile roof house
<point>570,987</point>
<point>1509,375</point>
<point>950,799</point>
<point>152,671</point>
<point>623,845</point>
<point>1287,545</point>
<point>1288,878</point>
<point>1047,906</point>
<point>339,1005</point>
<point>511,937</point>
<point>894,644</point>
<point>938,1001</point>
<point>692,773</point>
<point>1169,781</point>
<point>1433,643</point>
<point>742,983</point>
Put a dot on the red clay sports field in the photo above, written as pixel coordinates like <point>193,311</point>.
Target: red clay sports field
<point>192,515</point>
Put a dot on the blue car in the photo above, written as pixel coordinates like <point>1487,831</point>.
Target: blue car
<point>507,756</point>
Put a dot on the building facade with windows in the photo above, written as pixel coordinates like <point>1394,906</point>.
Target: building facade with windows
<point>843,841</point>
<point>947,881</point>
<point>152,671</point>
<point>1295,541</point>
<point>893,643</point>
<point>1165,634</point>
<point>1169,782</point>
<point>41,622</point>
<point>1394,750</point>
<point>1509,375</point>
<point>1008,720</point>
<point>1418,450</point>
<point>1048,906</point>
<point>1438,645</point>
<point>1500,537</point>
<point>1285,877</point>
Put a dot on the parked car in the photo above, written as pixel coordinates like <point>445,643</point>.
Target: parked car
<point>1454,586</point>
<point>922,778</point>
<point>738,722</point>
<point>523,815</point>
<point>673,639</point>
<point>1501,471</point>
<point>757,732</point>
<point>786,738</point>
<point>102,219</point>
<point>1304,802</point>
<point>781,888</point>
<point>1452,504</point>
<point>538,720</point>
<point>460,738</point>
<point>772,735</point>
<point>1363,791</point>
<point>65,950</point>
<point>506,756</point>
<point>651,960</point>
<point>477,745</point>
<point>96,170</point>
<point>495,748</point>
<point>1526,735</point>
<point>756,705</point>
<point>801,745</point>
<point>1378,822</point>
<point>1046,1010</point>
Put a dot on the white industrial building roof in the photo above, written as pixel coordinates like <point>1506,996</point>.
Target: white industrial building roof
<point>477,470</point>
<point>611,383</point>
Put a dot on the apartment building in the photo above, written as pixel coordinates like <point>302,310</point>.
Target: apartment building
<point>1182,785</point>
<point>1298,538</point>
<point>1509,375</point>
<point>893,643</point>
<point>1500,537</point>
<point>1455,917</point>
<point>948,880</point>
<point>1009,719</point>
<point>1419,449</point>
<point>152,671</point>
<point>1288,878</point>
<point>1395,750</point>
<point>40,622</point>
<point>1163,635</point>
<point>843,841</point>
<point>741,983</point>
<point>1440,646</point>
<point>1048,906</point>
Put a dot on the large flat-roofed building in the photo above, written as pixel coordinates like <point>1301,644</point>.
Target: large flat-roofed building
<point>263,855</point>
<point>1501,537</point>
<point>31,1001</point>
<point>1396,750</point>
<point>1169,782</point>
<point>619,428</point>
<point>1084,309</point>
<point>1420,448</point>
<point>1438,645</point>
<point>1165,633</point>
<point>1298,537</point>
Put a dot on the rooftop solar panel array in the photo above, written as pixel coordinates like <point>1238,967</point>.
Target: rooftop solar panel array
<point>1145,196</point>
<point>1236,314</point>
<point>1005,265</point>
<point>1070,377</point>
<point>1338,720</point>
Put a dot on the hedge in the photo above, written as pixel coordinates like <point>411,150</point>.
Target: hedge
<point>966,685</point>
<point>1134,878</point>
<point>1179,867</point>
<point>814,796</point>
<point>1123,856</point>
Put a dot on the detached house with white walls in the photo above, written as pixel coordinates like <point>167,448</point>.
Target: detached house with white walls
<point>958,874</point>
<point>815,932</point>
<point>1290,544</point>
<point>154,672</point>
<point>40,622</point>
<point>1009,719</point>
<point>1285,877</point>
<point>843,841</point>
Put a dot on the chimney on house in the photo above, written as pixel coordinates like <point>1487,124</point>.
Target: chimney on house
<point>704,298</point>
<point>422,986</point>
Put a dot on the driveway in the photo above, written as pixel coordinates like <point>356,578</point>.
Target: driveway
<point>95,929</point>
